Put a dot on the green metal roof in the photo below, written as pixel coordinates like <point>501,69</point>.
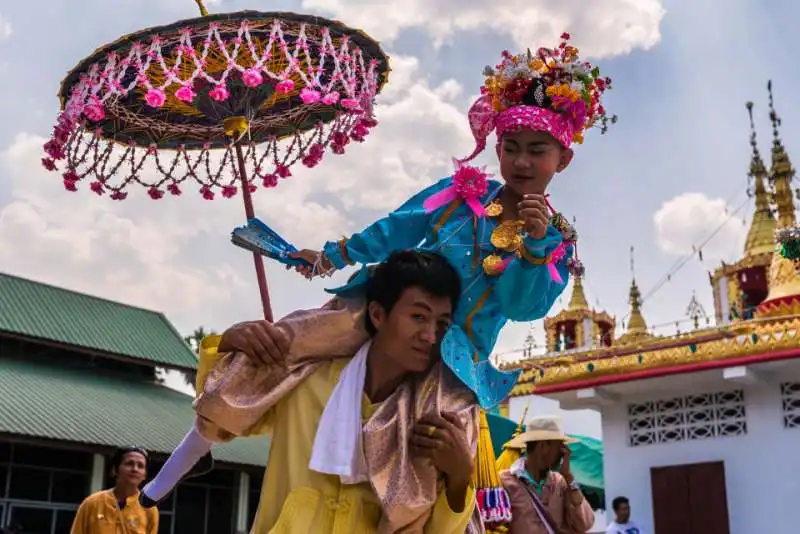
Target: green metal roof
<point>40,311</point>
<point>53,402</point>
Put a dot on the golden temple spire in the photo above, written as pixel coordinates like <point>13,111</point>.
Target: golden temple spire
<point>781,172</point>
<point>578,300</point>
<point>761,236</point>
<point>637,327</point>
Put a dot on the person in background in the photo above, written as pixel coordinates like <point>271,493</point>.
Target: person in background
<point>117,510</point>
<point>622,522</point>
<point>545,500</point>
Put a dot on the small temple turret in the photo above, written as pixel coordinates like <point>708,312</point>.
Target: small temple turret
<point>637,326</point>
<point>784,284</point>
<point>739,288</point>
<point>578,326</point>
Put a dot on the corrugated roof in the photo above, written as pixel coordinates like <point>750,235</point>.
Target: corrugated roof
<point>35,310</point>
<point>46,401</point>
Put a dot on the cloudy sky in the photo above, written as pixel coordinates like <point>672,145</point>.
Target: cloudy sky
<point>670,172</point>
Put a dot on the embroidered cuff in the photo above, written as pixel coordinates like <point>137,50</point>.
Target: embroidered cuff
<point>336,253</point>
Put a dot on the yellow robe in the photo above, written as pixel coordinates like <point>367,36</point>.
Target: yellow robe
<point>99,513</point>
<point>296,500</point>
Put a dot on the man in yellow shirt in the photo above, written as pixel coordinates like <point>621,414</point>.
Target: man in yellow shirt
<point>411,298</point>
<point>379,442</point>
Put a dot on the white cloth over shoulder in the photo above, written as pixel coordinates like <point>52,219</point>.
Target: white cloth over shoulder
<point>338,448</point>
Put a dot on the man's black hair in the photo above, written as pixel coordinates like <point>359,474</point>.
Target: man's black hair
<point>120,453</point>
<point>619,501</point>
<point>405,269</point>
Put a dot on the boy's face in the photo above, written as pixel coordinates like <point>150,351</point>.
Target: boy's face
<point>411,331</point>
<point>529,160</point>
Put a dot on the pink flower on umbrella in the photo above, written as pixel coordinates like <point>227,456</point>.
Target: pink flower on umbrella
<point>155,193</point>
<point>350,103</point>
<point>310,96</point>
<point>229,191</point>
<point>285,87</point>
<point>252,77</point>
<point>155,98</point>
<point>97,187</point>
<point>207,193</point>
<point>95,111</point>
<point>270,180</point>
<point>174,189</point>
<point>185,94</point>
<point>219,93</point>
<point>330,99</point>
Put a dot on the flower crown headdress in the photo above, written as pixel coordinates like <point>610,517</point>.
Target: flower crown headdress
<point>551,91</point>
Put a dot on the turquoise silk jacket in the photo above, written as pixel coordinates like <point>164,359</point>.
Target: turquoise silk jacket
<point>524,291</point>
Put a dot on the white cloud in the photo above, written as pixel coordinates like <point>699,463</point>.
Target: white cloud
<point>5,28</point>
<point>173,255</point>
<point>689,219</point>
<point>603,27</point>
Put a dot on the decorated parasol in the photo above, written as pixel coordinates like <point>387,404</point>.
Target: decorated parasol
<point>218,104</point>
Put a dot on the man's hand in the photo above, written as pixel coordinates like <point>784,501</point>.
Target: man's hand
<point>261,340</point>
<point>534,211</point>
<point>443,440</point>
<point>565,467</point>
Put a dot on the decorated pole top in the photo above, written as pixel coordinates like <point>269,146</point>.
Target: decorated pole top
<point>287,87</point>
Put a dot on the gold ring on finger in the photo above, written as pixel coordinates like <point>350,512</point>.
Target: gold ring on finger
<point>431,431</point>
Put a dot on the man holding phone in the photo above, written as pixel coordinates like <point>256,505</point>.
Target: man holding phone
<point>545,498</point>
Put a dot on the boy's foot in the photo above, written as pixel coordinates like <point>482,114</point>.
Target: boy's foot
<point>203,466</point>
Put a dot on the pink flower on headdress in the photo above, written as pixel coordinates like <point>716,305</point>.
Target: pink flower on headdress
<point>252,77</point>
<point>575,111</point>
<point>155,98</point>
<point>185,94</point>
<point>469,184</point>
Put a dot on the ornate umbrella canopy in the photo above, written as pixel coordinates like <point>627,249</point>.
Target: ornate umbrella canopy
<point>296,85</point>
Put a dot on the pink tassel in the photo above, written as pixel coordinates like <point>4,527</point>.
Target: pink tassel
<point>557,255</point>
<point>437,200</point>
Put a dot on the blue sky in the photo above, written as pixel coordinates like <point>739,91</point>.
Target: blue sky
<point>682,73</point>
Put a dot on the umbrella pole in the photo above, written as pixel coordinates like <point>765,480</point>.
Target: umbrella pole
<point>261,274</point>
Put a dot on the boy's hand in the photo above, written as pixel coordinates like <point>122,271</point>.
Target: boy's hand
<point>534,211</point>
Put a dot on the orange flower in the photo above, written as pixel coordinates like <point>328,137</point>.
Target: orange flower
<point>563,90</point>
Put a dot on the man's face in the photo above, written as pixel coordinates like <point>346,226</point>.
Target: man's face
<point>411,331</point>
<point>132,469</point>
<point>623,512</point>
